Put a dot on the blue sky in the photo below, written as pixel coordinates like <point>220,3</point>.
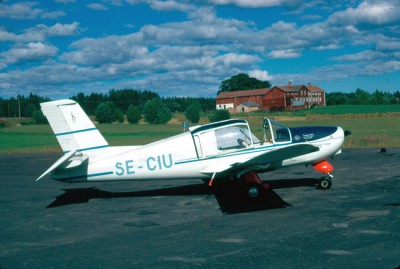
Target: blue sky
<point>57,48</point>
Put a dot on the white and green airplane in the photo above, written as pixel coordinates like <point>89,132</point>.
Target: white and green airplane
<point>210,152</point>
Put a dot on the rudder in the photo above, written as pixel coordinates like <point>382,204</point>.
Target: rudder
<point>72,127</point>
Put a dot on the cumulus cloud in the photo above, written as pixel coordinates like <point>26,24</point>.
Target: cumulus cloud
<point>41,32</point>
<point>26,10</point>
<point>367,55</point>
<point>260,75</point>
<point>284,54</point>
<point>201,50</point>
<point>256,3</point>
<point>96,6</point>
<point>65,1</point>
<point>369,13</point>
<point>169,5</point>
<point>6,36</point>
<point>28,52</point>
<point>20,11</point>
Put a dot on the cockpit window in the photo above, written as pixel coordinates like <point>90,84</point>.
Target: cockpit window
<point>274,132</point>
<point>233,137</point>
<point>223,137</point>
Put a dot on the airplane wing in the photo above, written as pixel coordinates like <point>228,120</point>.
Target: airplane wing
<point>263,159</point>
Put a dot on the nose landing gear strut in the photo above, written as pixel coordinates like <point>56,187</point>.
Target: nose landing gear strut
<point>325,167</point>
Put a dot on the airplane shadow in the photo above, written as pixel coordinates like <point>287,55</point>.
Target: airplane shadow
<point>230,197</point>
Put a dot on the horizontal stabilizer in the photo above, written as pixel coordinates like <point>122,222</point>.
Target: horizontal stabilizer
<point>59,162</point>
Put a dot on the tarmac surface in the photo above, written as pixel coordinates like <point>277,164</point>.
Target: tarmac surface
<point>185,224</point>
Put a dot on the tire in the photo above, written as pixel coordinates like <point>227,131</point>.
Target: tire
<point>325,183</point>
<point>254,191</point>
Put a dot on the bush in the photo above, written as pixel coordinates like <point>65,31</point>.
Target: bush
<point>39,118</point>
<point>219,115</point>
<point>133,114</point>
<point>107,112</point>
<point>192,112</point>
<point>156,112</point>
<point>118,115</point>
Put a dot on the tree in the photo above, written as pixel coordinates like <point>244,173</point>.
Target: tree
<point>156,112</point>
<point>133,114</point>
<point>219,115</point>
<point>337,98</point>
<point>124,98</point>
<point>192,112</point>
<point>39,118</point>
<point>107,112</point>
<point>361,97</point>
<point>242,82</point>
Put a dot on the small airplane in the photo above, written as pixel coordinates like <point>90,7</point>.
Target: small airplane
<point>210,152</point>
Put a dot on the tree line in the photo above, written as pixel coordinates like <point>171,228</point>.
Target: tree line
<point>24,106</point>
<point>361,97</point>
<point>155,109</point>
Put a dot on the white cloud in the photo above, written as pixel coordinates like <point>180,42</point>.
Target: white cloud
<point>96,6</point>
<point>256,3</point>
<point>369,13</point>
<point>6,36</point>
<point>20,11</point>
<point>59,29</point>
<point>260,75</point>
<point>28,52</point>
<point>65,1</point>
<point>169,5</point>
<point>367,55</point>
<point>202,50</point>
<point>41,32</point>
<point>284,54</point>
<point>27,10</point>
<point>388,43</point>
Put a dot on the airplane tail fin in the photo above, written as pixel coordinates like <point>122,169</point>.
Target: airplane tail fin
<point>72,127</point>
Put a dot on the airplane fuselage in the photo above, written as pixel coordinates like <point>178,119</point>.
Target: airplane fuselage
<point>183,157</point>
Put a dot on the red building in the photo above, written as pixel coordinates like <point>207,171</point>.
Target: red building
<point>289,97</point>
<point>293,97</point>
<point>231,100</point>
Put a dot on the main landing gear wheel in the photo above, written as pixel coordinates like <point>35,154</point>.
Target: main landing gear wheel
<point>255,191</point>
<point>325,183</point>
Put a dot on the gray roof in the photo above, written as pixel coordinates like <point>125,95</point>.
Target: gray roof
<point>298,103</point>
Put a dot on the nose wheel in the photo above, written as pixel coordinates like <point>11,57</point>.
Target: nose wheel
<point>325,182</point>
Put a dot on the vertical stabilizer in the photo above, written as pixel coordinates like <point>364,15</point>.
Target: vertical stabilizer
<point>72,127</point>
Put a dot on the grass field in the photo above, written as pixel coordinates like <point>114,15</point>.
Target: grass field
<point>374,130</point>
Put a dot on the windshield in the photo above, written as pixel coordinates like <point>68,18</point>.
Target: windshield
<point>275,132</point>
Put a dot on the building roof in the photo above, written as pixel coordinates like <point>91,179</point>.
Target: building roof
<point>290,88</point>
<point>250,104</point>
<point>296,88</point>
<point>313,88</point>
<point>257,92</point>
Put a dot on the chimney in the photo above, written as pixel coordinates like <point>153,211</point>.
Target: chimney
<point>309,84</point>
<point>289,84</point>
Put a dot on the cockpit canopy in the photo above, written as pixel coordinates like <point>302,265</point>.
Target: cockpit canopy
<point>275,132</point>
<point>223,137</point>
<point>233,135</point>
